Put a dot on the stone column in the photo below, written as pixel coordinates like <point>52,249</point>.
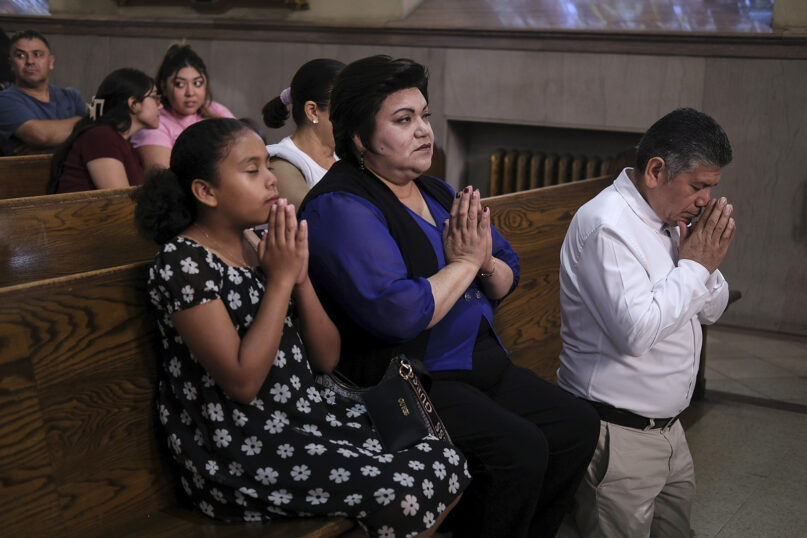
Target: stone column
<point>790,16</point>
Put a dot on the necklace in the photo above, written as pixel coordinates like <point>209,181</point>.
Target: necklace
<point>236,260</point>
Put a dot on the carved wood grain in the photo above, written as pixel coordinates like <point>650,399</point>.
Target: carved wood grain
<point>78,455</point>
<point>535,223</point>
<point>61,234</point>
<point>26,175</point>
<point>78,452</point>
<point>90,355</point>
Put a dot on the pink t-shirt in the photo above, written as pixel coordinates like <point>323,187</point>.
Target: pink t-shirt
<point>172,125</point>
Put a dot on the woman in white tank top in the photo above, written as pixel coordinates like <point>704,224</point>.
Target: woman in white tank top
<point>299,161</point>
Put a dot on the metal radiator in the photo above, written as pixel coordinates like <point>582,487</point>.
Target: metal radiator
<point>514,170</point>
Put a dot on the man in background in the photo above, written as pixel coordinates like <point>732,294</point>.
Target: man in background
<point>35,115</point>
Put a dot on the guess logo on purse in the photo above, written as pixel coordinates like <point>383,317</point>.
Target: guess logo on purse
<point>404,409</point>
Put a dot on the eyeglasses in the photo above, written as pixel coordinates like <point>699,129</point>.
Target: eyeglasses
<point>156,96</point>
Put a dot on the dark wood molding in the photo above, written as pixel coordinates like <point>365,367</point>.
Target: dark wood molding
<point>773,45</point>
<point>217,6</point>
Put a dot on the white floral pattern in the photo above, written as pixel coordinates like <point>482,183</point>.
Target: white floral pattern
<point>297,449</point>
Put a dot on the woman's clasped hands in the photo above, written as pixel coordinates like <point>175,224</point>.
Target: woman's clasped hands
<point>283,250</point>
<point>466,233</point>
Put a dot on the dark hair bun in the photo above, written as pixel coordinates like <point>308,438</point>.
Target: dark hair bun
<point>275,113</point>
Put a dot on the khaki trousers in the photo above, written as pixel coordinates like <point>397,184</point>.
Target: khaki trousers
<point>638,484</point>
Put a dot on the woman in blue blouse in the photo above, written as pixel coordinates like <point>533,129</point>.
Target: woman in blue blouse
<point>404,264</point>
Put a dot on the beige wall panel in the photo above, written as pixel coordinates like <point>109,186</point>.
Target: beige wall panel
<point>244,74</point>
<point>790,15</point>
<point>638,90</point>
<point>599,91</point>
<point>261,70</point>
<point>144,53</point>
<point>760,103</point>
<point>510,86</point>
<point>82,62</point>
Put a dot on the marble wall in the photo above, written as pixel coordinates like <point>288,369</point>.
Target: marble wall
<point>760,103</point>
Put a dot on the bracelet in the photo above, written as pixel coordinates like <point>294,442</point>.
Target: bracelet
<point>483,274</point>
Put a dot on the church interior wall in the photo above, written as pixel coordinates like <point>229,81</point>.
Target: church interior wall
<point>758,101</point>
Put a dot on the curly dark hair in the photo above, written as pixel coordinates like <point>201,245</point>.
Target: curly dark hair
<point>165,204</point>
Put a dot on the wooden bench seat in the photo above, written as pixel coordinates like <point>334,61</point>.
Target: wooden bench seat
<point>62,234</point>
<point>176,522</point>
<point>78,455</point>
<point>26,175</point>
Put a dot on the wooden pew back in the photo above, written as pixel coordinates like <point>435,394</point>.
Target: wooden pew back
<point>78,455</point>
<point>535,223</point>
<point>26,175</point>
<point>62,234</point>
<point>78,452</point>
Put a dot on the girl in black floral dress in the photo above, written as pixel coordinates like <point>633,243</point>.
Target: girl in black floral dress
<point>252,433</point>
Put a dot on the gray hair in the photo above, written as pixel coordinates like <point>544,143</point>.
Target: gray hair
<point>684,139</point>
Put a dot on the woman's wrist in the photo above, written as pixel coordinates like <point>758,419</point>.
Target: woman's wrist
<point>487,272</point>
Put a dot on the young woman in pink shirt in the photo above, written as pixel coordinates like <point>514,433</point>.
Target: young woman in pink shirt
<point>184,84</point>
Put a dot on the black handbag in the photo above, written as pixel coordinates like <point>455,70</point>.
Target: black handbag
<point>399,406</point>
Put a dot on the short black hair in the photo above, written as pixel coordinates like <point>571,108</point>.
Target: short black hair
<point>29,33</point>
<point>685,138</point>
<point>360,89</point>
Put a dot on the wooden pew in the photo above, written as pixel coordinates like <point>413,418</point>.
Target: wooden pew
<point>26,175</point>
<point>61,234</point>
<point>78,455</point>
<point>535,223</point>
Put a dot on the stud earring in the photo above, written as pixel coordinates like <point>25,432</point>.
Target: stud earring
<point>315,121</point>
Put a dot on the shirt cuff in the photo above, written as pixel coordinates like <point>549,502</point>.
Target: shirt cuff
<point>698,271</point>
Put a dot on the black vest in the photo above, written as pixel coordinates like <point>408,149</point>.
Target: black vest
<point>364,357</point>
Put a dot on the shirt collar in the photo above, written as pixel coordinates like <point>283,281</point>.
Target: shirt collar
<point>184,121</point>
<point>626,188</point>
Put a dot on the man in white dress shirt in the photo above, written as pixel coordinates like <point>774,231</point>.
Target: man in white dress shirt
<point>637,279</point>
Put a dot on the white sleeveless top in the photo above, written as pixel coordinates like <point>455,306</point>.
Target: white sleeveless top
<point>286,150</point>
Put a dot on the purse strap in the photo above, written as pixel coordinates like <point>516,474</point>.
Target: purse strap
<point>407,372</point>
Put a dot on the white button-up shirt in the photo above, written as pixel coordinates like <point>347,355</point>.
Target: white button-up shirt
<point>631,311</point>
